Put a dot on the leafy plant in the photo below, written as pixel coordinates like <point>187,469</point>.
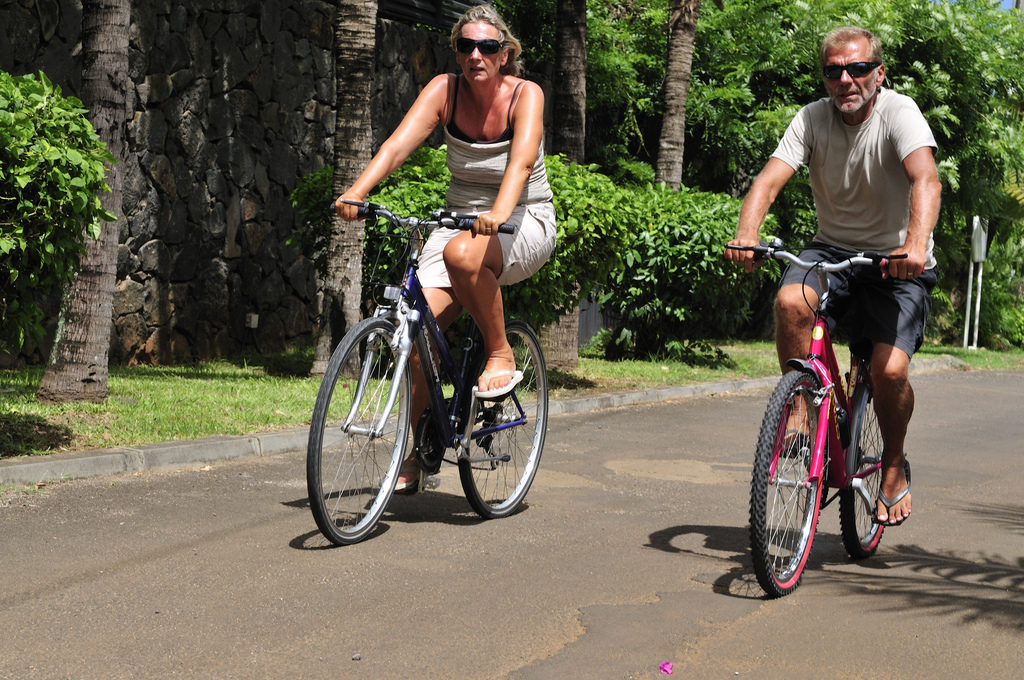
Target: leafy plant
<point>594,222</point>
<point>592,228</point>
<point>312,201</point>
<point>675,289</point>
<point>626,48</point>
<point>51,173</point>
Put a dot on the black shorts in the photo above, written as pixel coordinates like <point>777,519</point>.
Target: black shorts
<point>866,306</point>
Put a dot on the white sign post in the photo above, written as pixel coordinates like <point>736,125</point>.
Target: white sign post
<point>979,243</point>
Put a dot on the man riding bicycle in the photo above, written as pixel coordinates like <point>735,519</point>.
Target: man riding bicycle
<point>870,155</point>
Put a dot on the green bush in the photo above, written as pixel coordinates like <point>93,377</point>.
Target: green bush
<point>594,226</point>
<point>652,256</point>
<point>312,202</point>
<point>1001,321</point>
<point>51,173</point>
<point>591,231</point>
<point>675,288</point>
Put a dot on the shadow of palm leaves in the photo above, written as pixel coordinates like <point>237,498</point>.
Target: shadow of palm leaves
<point>1009,517</point>
<point>970,586</point>
<point>987,589</point>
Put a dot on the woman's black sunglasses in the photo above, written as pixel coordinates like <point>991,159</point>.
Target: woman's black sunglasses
<point>856,70</point>
<point>467,45</point>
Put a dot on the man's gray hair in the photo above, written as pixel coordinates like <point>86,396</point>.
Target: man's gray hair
<point>845,34</point>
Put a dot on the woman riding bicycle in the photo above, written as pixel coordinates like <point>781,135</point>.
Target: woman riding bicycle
<point>494,129</point>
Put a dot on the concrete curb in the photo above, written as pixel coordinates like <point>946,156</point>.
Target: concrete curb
<point>178,454</point>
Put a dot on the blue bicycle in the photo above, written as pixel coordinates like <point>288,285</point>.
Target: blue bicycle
<point>359,434</point>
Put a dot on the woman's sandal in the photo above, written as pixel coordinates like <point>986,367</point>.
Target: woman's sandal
<point>413,478</point>
<point>498,392</point>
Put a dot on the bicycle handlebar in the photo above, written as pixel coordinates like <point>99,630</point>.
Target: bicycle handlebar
<point>774,250</point>
<point>439,218</point>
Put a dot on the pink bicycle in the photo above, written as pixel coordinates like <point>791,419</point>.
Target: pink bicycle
<point>815,435</point>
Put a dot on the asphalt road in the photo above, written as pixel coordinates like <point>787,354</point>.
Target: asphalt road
<point>632,552</point>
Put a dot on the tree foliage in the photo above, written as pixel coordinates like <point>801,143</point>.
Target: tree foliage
<point>51,174</point>
<point>626,47</point>
<point>756,63</point>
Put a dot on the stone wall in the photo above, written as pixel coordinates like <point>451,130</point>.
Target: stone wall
<point>232,105</point>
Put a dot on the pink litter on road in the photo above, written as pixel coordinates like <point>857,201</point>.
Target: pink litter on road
<point>666,668</point>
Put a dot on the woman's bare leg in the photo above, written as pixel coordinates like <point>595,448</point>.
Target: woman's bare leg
<point>445,309</point>
<point>474,263</point>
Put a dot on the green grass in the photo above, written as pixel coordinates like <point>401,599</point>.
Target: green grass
<point>149,404</point>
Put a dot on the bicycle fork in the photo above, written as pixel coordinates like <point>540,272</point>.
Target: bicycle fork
<point>402,344</point>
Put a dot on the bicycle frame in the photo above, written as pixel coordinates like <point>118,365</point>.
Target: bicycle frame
<point>418,326</point>
<point>833,435</point>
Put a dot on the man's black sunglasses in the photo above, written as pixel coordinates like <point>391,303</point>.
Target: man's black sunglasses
<point>856,69</point>
<point>467,45</point>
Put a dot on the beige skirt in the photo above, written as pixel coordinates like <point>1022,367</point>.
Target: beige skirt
<point>522,253</point>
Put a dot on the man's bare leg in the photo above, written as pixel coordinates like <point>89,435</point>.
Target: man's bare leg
<point>894,405</point>
<point>794,317</point>
<point>793,322</point>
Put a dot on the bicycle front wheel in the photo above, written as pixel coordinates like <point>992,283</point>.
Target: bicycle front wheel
<point>358,434</point>
<point>784,501</point>
<point>500,466</point>
<point>861,536</point>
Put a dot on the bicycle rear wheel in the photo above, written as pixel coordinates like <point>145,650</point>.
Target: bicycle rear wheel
<point>784,502</point>
<point>861,536</point>
<point>500,466</point>
<point>351,469</point>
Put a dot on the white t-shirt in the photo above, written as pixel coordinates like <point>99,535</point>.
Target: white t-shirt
<point>861,191</point>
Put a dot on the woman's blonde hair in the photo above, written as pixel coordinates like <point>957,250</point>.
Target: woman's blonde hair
<point>488,15</point>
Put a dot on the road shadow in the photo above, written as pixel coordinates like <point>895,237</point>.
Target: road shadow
<point>971,586</point>
<point>725,544</point>
<point>433,506</point>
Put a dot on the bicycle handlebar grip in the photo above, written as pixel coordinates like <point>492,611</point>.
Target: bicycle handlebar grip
<point>366,209</point>
<point>466,222</point>
<point>759,251</point>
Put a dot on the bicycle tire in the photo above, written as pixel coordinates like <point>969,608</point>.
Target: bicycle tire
<point>350,476</point>
<point>494,487</point>
<point>783,506</point>
<point>860,535</point>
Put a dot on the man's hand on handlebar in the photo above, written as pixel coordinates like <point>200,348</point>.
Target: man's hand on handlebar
<point>744,257</point>
<point>903,263</point>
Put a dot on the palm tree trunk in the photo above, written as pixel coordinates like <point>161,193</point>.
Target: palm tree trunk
<point>682,31</point>
<point>560,340</point>
<point>569,108</point>
<point>354,43</point>
<point>77,370</point>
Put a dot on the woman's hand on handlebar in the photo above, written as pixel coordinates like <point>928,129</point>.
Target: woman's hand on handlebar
<point>487,224</point>
<point>347,211</point>
<point>744,257</point>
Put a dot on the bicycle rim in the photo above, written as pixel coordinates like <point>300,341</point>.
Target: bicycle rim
<point>784,504</point>
<point>861,535</point>
<point>351,472</point>
<point>500,467</point>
